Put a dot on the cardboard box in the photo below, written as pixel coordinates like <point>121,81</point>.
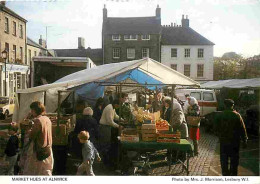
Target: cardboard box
<point>169,140</point>
<point>148,126</point>
<point>129,139</point>
<point>149,139</point>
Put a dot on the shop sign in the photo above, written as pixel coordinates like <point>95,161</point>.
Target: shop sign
<point>15,68</point>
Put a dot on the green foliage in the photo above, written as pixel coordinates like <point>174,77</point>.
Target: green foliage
<point>234,66</point>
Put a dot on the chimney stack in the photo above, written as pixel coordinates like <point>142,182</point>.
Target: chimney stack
<point>158,14</point>
<point>185,22</point>
<point>81,43</point>
<point>104,12</point>
<point>42,42</point>
<point>3,3</point>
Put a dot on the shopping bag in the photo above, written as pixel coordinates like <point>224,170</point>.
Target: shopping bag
<point>193,120</point>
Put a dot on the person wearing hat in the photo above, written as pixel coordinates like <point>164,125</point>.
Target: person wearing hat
<point>230,129</point>
<point>89,152</point>
<point>88,123</point>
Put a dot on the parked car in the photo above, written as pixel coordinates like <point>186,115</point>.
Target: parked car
<point>206,98</point>
<point>6,107</point>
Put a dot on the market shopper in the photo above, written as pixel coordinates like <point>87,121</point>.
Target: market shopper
<point>166,109</point>
<point>230,129</point>
<point>194,131</point>
<point>178,120</point>
<point>109,131</point>
<point>157,103</point>
<point>12,148</point>
<point>89,152</point>
<point>126,112</point>
<point>178,124</point>
<point>39,156</point>
<point>98,109</point>
<point>88,123</point>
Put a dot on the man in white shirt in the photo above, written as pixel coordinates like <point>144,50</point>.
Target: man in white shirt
<point>109,115</point>
<point>108,133</point>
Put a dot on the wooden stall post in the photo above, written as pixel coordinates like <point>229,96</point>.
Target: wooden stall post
<point>120,103</point>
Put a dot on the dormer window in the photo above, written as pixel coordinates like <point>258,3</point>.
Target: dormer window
<point>146,37</point>
<point>130,37</point>
<point>116,37</point>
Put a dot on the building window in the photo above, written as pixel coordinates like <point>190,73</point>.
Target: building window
<point>14,53</point>
<point>174,66</point>
<point>7,49</point>
<point>29,56</point>
<point>187,53</point>
<point>14,28</point>
<point>173,52</point>
<point>130,53</point>
<point>6,25</point>
<point>21,54</point>
<point>187,70</point>
<point>116,53</point>
<point>145,37</point>
<point>116,37</point>
<point>200,70</point>
<point>21,31</point>
<point>35,53</point>
<point>200,53</point>
<point>145,52</point>
<point>130,37</point>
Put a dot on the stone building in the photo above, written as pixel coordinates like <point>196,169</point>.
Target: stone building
<point>131,38</point>
<point>81,51</point>
<point>13,40</point>
<point>186,51</point>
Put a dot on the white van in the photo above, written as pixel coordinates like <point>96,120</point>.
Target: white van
<point>206,98</point>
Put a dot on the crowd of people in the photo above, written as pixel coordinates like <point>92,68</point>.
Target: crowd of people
<point>97,130</point>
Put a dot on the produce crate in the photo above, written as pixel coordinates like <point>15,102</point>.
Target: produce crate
<point>169,140</point>
<point>149,139</point>
<point>59,136</point>
<point>148,126</point>
<point>148,131</point>
<point>193,120</point>
<point>129,139</point>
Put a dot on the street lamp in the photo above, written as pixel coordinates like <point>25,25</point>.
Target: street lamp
<point>5,56</point>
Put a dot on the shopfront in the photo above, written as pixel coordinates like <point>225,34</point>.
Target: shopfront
<point>16,78</point>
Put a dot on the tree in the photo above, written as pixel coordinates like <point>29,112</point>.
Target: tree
<point>234,66</point>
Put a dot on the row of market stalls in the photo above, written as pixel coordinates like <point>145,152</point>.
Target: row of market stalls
<point>88,83</point>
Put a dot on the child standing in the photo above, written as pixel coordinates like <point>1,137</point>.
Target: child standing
<point>12,148</point>
<point>88,153</point>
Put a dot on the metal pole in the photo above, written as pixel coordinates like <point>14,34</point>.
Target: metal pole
<point>58,118</point>
<point>5,77</point>
<point>171,123</point>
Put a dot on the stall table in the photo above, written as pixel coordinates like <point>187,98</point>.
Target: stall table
<point>183,146</point>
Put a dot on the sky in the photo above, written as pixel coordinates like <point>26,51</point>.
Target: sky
<point>233,25</point>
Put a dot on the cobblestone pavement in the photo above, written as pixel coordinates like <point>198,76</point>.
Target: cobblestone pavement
<point>199,165</point>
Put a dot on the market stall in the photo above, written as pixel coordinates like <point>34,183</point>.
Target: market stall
<point>89,85</point>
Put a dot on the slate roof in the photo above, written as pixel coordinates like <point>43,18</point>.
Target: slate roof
<point>34,44</point>
<point>11,12</point>
<point>96,55</point>
<point>183,36</point>
<point>131,25</point>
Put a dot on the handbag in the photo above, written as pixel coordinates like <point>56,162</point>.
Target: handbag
<point>42,153</point>
<point>193,120</point>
